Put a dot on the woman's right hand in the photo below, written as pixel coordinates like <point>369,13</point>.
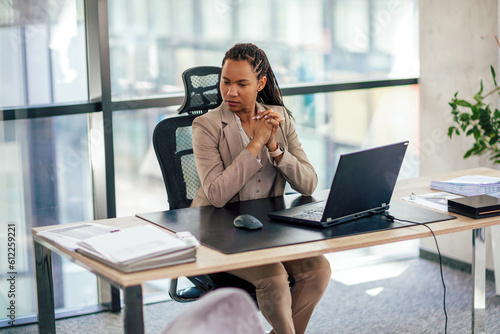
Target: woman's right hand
<point>265,127</point>
<point>262,131</point>
<point>274,118</point>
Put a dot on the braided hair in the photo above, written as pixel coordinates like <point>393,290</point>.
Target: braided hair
<point>271,93</point>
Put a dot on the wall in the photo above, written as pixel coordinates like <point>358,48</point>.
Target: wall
<point>457,46</point>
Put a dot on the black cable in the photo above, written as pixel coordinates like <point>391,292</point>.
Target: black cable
<point>392,218</point>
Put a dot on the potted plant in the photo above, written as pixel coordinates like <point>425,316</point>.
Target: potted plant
<point>478,120</point>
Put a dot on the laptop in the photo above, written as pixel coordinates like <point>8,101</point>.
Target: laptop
<point>363,185</point>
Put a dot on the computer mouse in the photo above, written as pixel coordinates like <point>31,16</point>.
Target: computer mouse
<point>247,221</point>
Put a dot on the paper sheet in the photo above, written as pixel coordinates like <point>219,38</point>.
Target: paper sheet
<point>438,201</point>
<point>70,236</point>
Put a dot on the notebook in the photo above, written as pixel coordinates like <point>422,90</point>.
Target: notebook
<point>363,185</point>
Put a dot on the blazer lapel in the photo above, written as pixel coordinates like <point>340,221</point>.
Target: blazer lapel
<point>231,134</point>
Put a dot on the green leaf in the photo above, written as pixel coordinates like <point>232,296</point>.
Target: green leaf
<point>496,113</point>
<point>463,103</point>
<point>493,75</point>
<point>450,131</point>
<point>485,121</point>
<point>468,153</point>
<point>464,117</point>
<point>494,139</point>
<point>475,113</point>
<point>472,151</point>
<point>478,96</point>
<point>483,145</point>
<point>477,133</point>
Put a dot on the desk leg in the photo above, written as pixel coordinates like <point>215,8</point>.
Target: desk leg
<point>44,289</point>
<point>479,281</point>
<point>109,296</point>
<point>495,247</point>
<point>133,319</point>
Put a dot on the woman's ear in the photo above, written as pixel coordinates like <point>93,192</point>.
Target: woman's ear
<point>262,83</point>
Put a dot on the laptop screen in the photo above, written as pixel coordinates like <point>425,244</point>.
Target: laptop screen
<point>364,180</point>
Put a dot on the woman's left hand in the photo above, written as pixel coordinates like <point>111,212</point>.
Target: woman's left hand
<point>274,118</point>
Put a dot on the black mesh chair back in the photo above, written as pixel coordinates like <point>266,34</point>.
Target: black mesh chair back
<point>202,89</point>
<point>172,136</point>
<point>173,147</point>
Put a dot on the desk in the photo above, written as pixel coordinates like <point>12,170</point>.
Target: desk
<point>209,261</point>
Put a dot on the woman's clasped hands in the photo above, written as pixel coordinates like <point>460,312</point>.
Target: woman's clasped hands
<point>266,126</point>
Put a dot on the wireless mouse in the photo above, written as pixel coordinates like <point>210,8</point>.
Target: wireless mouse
<point>247,221</point>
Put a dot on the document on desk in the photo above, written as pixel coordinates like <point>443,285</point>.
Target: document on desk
<point>70,236</point>
<point>132,249</point>
<point>138,248</point>
<point>438,201</point>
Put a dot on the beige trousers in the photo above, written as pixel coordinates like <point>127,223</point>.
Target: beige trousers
<point>288,310</point>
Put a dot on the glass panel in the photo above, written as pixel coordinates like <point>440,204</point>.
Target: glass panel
<point>138,180</point>
<point>336,123</point>
<point>306,41</point>
<point>328,126</point>
<point>42,52</point>
<point>45,181</point>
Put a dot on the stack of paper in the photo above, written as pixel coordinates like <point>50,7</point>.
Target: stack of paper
<point>70,236</point>
<point>139,248</point>
<point>128,250</point>
<point>469,185</point>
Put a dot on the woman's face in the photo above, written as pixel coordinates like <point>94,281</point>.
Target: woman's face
<point>239,86</point>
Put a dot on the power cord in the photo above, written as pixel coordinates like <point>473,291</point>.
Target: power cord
<point>392,218</point>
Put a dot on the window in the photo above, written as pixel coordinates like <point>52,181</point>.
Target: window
<point>43,52</point>
<point>46,181</point>
<point>151,44</point>
<point>45,171</point>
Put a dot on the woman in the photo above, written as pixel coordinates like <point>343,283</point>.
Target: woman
<point>247,148</point>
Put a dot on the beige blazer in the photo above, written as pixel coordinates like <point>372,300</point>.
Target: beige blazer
<point>224,168</point>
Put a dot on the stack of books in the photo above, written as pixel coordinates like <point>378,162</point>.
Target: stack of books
<point>469,185</point>
<point>128,250</point>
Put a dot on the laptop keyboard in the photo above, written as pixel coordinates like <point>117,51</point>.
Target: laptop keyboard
<point>312,214</point>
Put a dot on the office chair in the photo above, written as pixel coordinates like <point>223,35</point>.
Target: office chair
<point>172,136</point>
<point>172,142</point>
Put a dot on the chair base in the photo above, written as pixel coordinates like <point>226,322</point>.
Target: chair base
<point>185,295</point>
<point>189,294</point>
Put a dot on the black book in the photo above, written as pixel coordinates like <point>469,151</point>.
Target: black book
<point>480,206</point>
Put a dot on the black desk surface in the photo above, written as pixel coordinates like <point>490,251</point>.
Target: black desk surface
<point>214,228</point>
